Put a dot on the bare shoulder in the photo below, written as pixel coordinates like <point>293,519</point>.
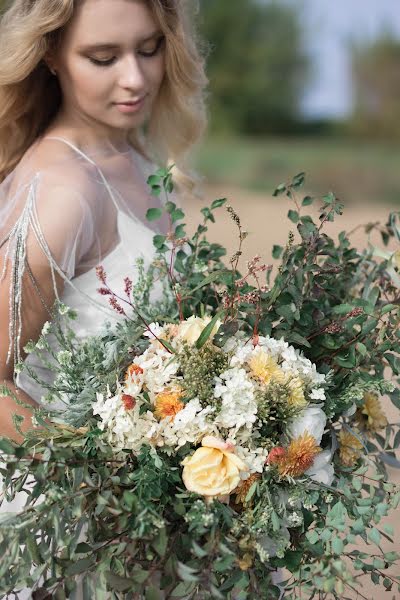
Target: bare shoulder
<point>57,165</point>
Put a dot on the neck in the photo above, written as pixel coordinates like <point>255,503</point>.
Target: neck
<point>88,135</point>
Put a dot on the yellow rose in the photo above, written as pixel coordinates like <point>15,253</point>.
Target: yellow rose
<point>396,259</point>
<point>191,329</point>
<point>213,470</point>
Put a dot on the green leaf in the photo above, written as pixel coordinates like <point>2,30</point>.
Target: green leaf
<point>7,447</point>
<point>153,180</point>
<point>82,565</point>
<point>159,241</point>
<point>153,214</point>
<point>139,575</point>
<point>186,573</point>
<point>337,545</point>
<point>293,559</point>
<point>374,536</point>
<point>209,279</point>
<point>177,215</point>
<point>277,251</point>
<point>183,589</point>
<point>180,231</point>
<point>281,189</point>
<point>342,309</point>
<point>218,203</point>
<point>118,583</point>
<point>307,201</point>
<point>153,593</point>
<point>312,536</point>
<point>298,180</point>
<point>296,338</point>
<point>208,329</point>
<point>161,542</point>
<point>293,215</point>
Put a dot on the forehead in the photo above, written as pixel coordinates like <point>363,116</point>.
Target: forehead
<point>105,21</point>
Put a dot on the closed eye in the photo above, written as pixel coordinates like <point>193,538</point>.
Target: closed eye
<point>109,61</point>
<point>102,63</point>
<point>159,44</point>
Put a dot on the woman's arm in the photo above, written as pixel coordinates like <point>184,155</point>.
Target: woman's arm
<point>35,312</point>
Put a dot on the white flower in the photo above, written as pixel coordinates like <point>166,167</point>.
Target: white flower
<point>190,424</point>
<point>159,367</point>
<point>322,469</point>
<point>317,394</point>
<point>45,328</point>
<point>154,331</point>
<point>253,457</point>
<point>238,407</point>
<point>311,420</point>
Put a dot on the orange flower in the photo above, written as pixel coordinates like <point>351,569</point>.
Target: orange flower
<point>299,456</point>
<point>133,370</point>
<point>128,401</point>
<point>168,404</point>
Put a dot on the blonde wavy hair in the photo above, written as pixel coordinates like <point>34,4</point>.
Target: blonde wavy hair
<point>30,96</point>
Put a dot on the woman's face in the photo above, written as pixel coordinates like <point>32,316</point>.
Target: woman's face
<point>111,53</point>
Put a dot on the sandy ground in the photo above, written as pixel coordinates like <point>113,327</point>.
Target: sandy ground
<point>265,219</point>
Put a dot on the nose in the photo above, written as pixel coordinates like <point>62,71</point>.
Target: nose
<point>131,74</point>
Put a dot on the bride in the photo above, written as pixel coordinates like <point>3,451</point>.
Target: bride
<point>92,94</point>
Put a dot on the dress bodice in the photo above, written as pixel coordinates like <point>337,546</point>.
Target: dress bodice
<point>109,212</point>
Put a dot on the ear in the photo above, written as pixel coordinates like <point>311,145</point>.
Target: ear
<point>50,62</point>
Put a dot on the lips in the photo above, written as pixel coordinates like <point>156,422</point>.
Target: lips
<point>130,102</point>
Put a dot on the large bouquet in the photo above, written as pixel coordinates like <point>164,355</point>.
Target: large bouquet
<point>226,441</point>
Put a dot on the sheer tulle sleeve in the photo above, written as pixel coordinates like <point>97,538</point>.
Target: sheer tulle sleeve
<point>46,227</point>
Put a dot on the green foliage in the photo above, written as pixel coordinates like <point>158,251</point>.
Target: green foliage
<point>256,48</point>
<point>145,535</point>
<point>377,87</point>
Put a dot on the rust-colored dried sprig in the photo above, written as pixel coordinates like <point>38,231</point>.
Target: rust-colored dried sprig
<point>128,286</point>
<point>116,306</point>
<point>101,274</point>
<point>234,216</point>
<point>334,327</point>
<point>356,312</point>
<point>104,291</point>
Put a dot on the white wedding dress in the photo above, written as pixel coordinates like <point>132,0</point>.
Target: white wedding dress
<point>80,210</point>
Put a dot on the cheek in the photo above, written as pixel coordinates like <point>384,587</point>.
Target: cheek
<point>156,72</point>
<point>86,82</point>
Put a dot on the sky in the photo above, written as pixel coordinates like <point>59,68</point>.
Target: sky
<point>329,26</point>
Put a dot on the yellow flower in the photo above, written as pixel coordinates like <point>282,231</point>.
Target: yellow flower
<point>299,456</point>
<point>371,416</point>
<point>190,330</point>
<point>244,488</point>
<point>246,562</point>
<point>350,448</point>
<point>396,259</point>
<point>296,388</point>
<point>168,404</point>
<point>213,470</point>
<point>265,368</point>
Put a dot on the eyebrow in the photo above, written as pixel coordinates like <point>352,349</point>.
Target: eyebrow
<point>113,46</point>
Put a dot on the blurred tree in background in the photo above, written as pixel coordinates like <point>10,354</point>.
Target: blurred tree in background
<point>376,78</point>
<point>256,65</point>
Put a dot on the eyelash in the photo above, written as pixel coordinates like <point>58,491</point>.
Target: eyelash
<point>109,62</point>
